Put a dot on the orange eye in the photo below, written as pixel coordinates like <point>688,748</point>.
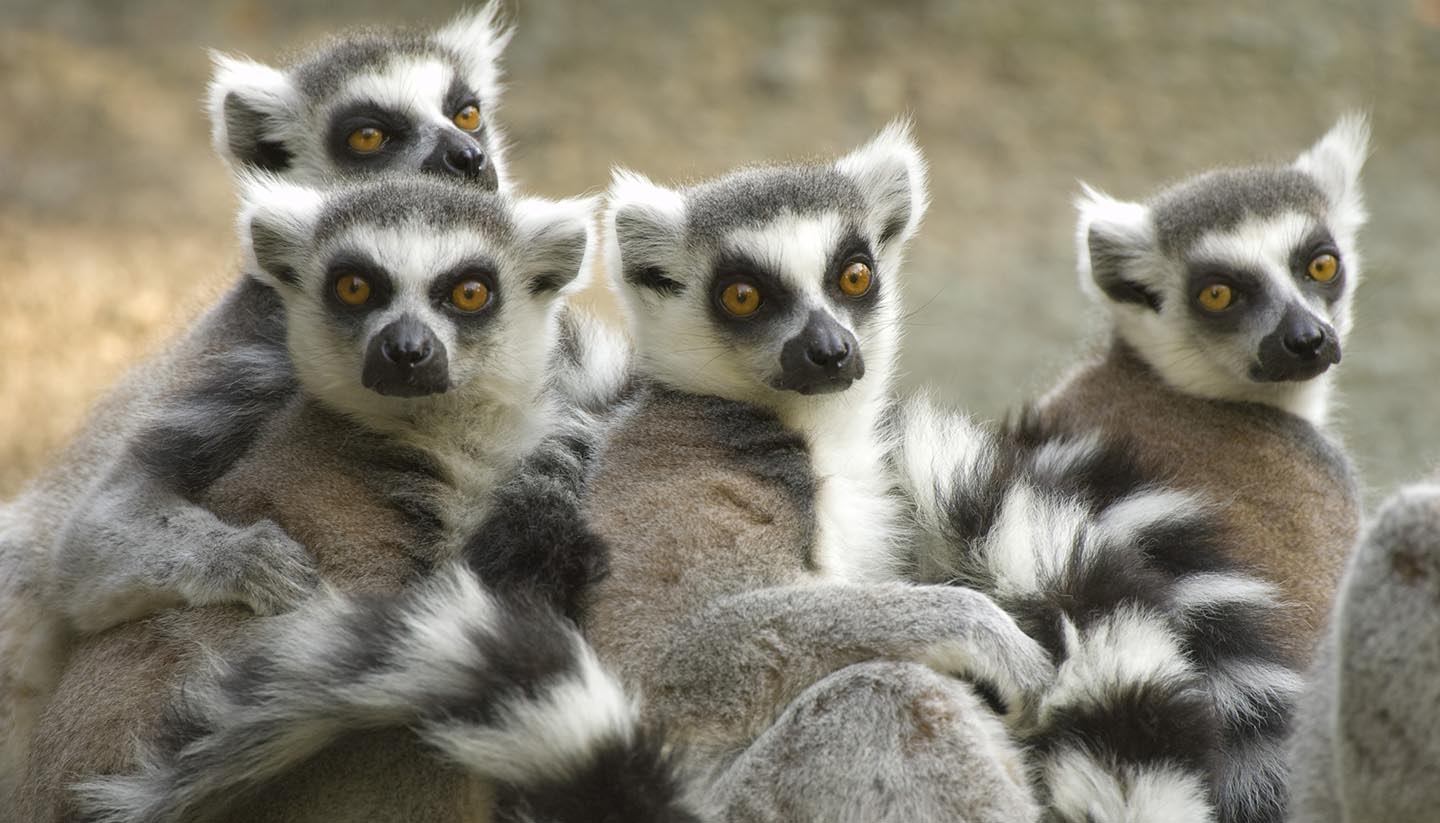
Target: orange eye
<point>740,299</point>
<point>1323,268</point>
<point>468,118</point>
<point>1216,297</point>
<point>470,296</point>
<point>367,140</point>
<point>352,289</point>
<point>855,279</point>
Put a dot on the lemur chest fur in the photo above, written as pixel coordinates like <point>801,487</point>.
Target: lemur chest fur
<point>855,515</point>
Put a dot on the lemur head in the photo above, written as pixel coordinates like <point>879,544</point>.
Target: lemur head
<point>1237,284</point>
<point>773,285</point>
<point>403,291</point>
<point>369,101</point>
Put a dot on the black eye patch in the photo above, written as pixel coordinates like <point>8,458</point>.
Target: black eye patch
<point>776,301</point>
<point>347,264</point>
<point>852,248</point>
<point>349,119</point>
<point>1319,242</point>
<point>458,96</point>
<point>1248,288</point>
<point>468,325</point>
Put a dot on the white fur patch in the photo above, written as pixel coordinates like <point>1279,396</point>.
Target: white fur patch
<point>936,450</point>
<point>1126,648</point>
<point>1083,790</point>
<point>1122,521</point>
<point>546,737</point>
<point>1033,539</point>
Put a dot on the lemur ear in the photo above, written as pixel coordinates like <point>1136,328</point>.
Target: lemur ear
<point>1114,242</point>
<point>890,171</point>
<point>555,238</point>
<point>644,232</point>
<point>250,105</point>
<point>1335,162</point>
<point>276,224</point>
<point>478,38</point>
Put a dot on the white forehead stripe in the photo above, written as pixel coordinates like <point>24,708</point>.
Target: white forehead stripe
<point>413,255</point>
<point>795,248</point>
<point>1263,245</point>
<point>416,85</point>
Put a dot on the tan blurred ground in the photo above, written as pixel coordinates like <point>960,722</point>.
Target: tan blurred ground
<point>114,216</point>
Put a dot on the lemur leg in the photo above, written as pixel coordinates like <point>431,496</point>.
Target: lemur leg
<point>137,546</point>
<point>879,742</point>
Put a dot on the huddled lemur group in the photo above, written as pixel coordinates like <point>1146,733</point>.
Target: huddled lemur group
<point>398,531</point>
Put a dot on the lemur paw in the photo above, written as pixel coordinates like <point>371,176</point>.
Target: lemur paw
<point>991,650</point>
<point>267,570</point>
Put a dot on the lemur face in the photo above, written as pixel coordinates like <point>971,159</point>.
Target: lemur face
<point>769,282</point>
<point>1235,277</point>
<point>369,102</point>
<point>397,290</point>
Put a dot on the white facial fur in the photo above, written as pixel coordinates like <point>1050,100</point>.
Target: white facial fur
<point>1190,354</point>
<point>680,343</point>
<point>500,362</point>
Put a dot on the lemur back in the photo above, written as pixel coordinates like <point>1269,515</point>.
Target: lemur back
<point>1230,296</point>
<point>1368,737</point>
<point>1288,491</point>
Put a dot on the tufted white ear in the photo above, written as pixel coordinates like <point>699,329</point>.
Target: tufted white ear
<point>1114,239</point>
<point>276,225</point>
<point>1335,163</point>
<point>555,236</point>
<point>250,105</point>
<point>644,231</point>
<point>478,37</point>
<point>890,171</point>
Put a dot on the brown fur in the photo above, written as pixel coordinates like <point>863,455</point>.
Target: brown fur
<point>302,474</point>
<point>1288,490</point>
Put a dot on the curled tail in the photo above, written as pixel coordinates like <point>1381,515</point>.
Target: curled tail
<point>1172,699</point>
<point>505,690</point>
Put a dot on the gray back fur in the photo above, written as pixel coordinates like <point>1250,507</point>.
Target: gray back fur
<point>1367,743</point>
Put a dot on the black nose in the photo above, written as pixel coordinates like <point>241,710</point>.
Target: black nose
<point>1301,346</point>
<point>824,357</point>
<point>406,359</point>
<point>458,155</point>
<point>407,350</point>
<point>829,349</point>
<point>464,161</point>
<point>1304,342</point>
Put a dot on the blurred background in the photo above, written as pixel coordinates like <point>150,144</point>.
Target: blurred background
<point>114,215</point>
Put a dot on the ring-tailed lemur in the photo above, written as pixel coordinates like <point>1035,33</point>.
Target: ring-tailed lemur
<point>1229,296</point>
<point>369,101</point>
<point>752,537</point>
<point>111,530</point>
<point>420,317</point>
<point>1367,739</point>
<point>1174,692</point>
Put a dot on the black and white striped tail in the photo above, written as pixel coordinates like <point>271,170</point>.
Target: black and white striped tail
<point>1172,699</point>
<point>506,690</point>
